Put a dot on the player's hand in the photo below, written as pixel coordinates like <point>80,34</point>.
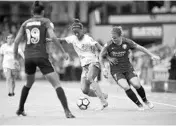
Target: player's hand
<point>155,57</point>
<point>105,73</point>
<point>112,61</point>
<point>66,56</point>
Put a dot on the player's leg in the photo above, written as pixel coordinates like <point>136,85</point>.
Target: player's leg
<point>122,82</point>
<point>85,84</point>
<point>48,71</point>
<point>92,74</point>
<point>135,82</point>
<point>30,69</point>
<point>14,76</point>
<point>8,77</point>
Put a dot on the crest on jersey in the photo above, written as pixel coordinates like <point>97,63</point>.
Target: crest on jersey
<point>124,46</point>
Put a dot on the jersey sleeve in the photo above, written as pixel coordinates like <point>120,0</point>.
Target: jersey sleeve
<point>69,39</point>
<point>131,43</point>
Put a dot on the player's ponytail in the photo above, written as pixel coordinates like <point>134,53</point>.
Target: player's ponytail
<point>36,3</point>
<point>37,7</point>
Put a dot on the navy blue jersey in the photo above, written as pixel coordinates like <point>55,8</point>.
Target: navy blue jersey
<point>35,30</point>
<point>121,53</point>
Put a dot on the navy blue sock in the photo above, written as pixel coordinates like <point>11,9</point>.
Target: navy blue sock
<point>61,95</point>
<point>141,93</point>
<point>133,97</point>
<point>24,94</point>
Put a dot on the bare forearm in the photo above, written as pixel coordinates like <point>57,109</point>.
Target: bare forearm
<point>142,49</point>
<point>102,62</point>
<point>58,44</point>
<point>15,50</point>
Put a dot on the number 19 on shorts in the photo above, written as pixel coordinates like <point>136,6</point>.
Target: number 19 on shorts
<point>33,36</point>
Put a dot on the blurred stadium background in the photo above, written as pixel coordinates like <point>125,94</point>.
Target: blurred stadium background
<point>151,24</point>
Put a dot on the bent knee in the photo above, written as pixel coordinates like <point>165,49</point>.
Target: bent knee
<point>137,86</point>
<point>126,87</point>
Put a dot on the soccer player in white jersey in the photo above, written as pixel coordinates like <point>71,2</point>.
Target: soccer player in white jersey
<point>9,65</point>
<point>86,49</point>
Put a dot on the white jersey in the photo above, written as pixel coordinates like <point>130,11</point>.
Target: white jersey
<point>8,56</point>
<point>85,48</point>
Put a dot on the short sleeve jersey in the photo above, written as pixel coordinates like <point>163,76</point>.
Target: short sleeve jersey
<point>8,59</point>
<point>121,53</point>
<point>84,48</point>
<point>35,30</point>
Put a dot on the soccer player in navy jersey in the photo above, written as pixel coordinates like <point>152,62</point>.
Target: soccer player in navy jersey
<point>36,30</point>
<point>117,51</point>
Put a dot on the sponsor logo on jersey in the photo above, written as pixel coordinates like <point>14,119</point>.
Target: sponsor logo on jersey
<point>118,54</point>
<point>36,23</point>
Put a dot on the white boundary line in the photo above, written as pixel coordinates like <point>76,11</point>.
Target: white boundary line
<point>169,105</point>
<point>123,98</point>
<point>164,104</point>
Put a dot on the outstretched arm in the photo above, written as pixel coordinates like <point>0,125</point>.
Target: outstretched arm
<point>61,40</point>
<point>142,49</point>
<point>54,39</point>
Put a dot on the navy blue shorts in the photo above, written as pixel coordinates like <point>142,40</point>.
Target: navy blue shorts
<point>43,63</point>
<point>117,75</point>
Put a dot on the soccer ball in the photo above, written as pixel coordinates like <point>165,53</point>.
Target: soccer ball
<point>83,103</point>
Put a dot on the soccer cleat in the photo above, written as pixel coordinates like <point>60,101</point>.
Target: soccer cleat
<point>69,115</point>
<point>11,94</point>
<point>19,112</point>
<point>149,104</point>
<point>141,108</point>
<point>104,105</point>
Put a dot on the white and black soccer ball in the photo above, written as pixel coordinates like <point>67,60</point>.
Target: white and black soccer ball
<point>83,103</point>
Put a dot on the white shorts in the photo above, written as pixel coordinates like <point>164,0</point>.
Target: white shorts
<point>85,69</point>
<point>10,72</point>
